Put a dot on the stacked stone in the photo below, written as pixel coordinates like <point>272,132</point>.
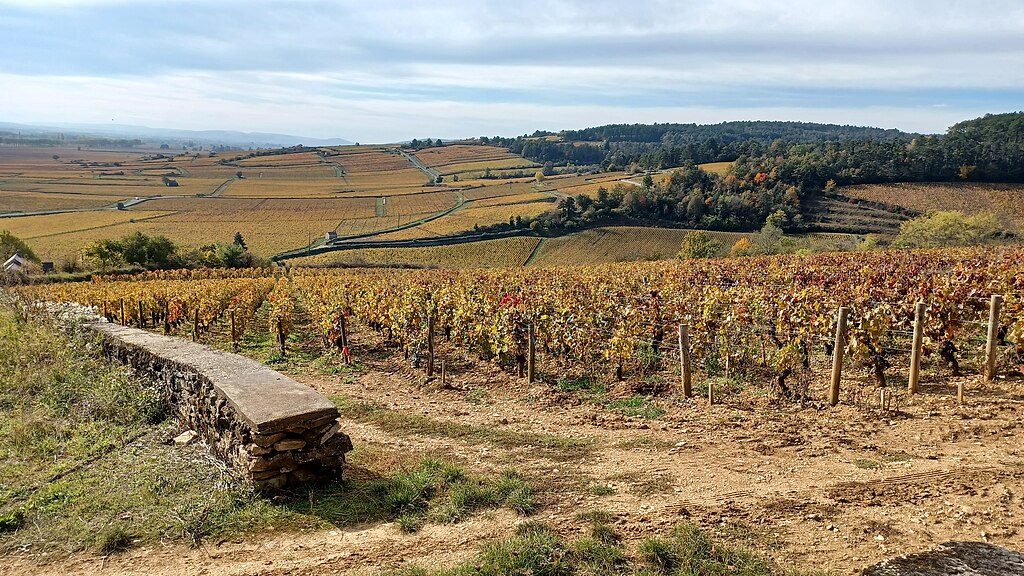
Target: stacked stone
<point>271,430</point>
<point>307,452</point>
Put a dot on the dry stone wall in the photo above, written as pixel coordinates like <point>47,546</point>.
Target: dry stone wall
<point>271,429</point>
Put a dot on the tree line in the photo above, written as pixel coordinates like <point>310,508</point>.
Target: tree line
<point>990,148</point>
<point>768,176</point>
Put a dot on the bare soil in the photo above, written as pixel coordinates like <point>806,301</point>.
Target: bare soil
<point>815,488</point>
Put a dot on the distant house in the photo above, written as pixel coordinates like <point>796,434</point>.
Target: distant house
<point>15,263</point>
<point>331,236</point>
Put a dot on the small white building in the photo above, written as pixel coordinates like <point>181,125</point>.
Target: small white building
<point>15,263</point>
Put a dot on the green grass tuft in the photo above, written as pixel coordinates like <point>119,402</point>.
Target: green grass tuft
<point>114,539</point>
<point>637,407</point>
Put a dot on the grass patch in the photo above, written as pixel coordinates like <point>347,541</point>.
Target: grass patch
<point>403,424</point>
<point>536,549</point>
<point>601,490</point>
<point>88,465</point>
<point>896,457</point>
<point>476,396</point>
<point>583,386</point>
<point>115,539</point>
<point>724,386</point>
<point>871,464</point>
<point>637,407</point>
<point>430,491</point>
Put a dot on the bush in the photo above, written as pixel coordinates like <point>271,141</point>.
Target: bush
<point>949,229</point>
<point>699,244</point>
<point>11,244</point>
<point>742,247</point>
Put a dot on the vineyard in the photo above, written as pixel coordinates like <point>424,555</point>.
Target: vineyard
<point>773,318</point>
<point>620,244</point>
<point>501,253</point>
<point>1003,200</point>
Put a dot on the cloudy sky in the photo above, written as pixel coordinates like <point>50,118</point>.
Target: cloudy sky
<point>377,71</point>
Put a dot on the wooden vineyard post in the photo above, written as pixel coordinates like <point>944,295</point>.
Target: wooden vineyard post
<point>993,336</point>
<point>725,338</point>
<point>837,356</point>
<point>121,319</point>
<point>430,346</point>
<point>167,316</point>
<point>915,351</point>
<point>142,319</point>
<point>280,336</point>
<point>531,360</point>
<point>344,340</point>
<point>234,334</point>
<point>711,392</point>
<point>195,326</point>
<point>684,360</point>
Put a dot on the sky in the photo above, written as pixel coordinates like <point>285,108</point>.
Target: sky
<point>376,71</point>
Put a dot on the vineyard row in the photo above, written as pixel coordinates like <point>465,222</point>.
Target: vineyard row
<point>618,317</point>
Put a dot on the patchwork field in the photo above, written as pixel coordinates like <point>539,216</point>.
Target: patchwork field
<point>282,200</point>
<point>588,185</point>
<point>720,168</point>
<point>467,218</point>
<point>470,162</point>
<point>39,201</point>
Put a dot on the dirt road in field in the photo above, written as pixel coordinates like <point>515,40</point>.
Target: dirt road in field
<point>813,488</point>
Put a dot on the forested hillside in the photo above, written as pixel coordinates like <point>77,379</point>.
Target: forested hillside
<point>778,166</point>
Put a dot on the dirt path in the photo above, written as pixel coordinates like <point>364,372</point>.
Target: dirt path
<point>836,489</point>
<point>431,174</point>
<point>220,189</point>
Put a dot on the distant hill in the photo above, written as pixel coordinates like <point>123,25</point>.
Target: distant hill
<point>167,135</point>
<point>726,132</point>
<point>668,145</point>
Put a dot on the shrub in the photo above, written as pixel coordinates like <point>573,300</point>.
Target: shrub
<point>699,244</point>
<point>947,229</point>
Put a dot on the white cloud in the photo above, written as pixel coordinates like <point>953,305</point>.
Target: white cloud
<point>400,69</point>
<point>204,102</point>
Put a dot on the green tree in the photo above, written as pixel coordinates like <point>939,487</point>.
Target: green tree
<point>232,255</point>
<point>699,244</point>
<point>940,229</point>
<point>240,241</point>
<point>11,244</point>
<point>778,219</point>
<point>149,251</point>
<point>104,252</point>
<point>160,252</point>
<point>695,207</point>
<point>133,248</point>
<point>648,182</point>
<point>767,240</point>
